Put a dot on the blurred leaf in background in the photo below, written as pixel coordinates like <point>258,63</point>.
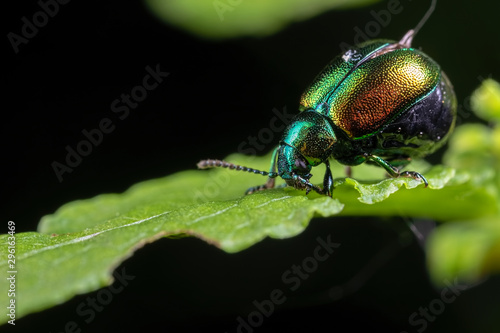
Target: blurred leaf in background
<point>486,101</point>
<point>220,19</point>
<point>470,248</point>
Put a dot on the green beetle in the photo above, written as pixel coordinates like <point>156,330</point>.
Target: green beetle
<point>381,102</point>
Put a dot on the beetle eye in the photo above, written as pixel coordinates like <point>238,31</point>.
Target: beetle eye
<point>301,166</point>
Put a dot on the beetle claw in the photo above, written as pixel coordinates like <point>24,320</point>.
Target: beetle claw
<point>416,176</point>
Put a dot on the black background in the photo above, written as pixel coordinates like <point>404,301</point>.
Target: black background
<point>217,94</point>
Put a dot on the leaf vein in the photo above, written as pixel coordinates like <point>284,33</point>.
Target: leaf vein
<point>86,237</point>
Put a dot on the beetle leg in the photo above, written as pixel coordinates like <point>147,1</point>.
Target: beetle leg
<point>301,183</point>
<point>328,180</point>
<point>394,172</point>
<point>270,183</point>
<point>304,183</point>
<point>348,171</point>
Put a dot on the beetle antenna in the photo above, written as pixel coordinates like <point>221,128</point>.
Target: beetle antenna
<point>408,37</point>
<point>426,17</point>
<point>207,164</point>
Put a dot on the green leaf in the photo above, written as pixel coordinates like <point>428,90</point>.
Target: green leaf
<point>236,18</point>
<point>92,237</point>
<point>469,250</point>
<point>83,241</point>
<point>485,100</point>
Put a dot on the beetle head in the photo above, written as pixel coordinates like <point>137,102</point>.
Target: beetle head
<point>307,142</point>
